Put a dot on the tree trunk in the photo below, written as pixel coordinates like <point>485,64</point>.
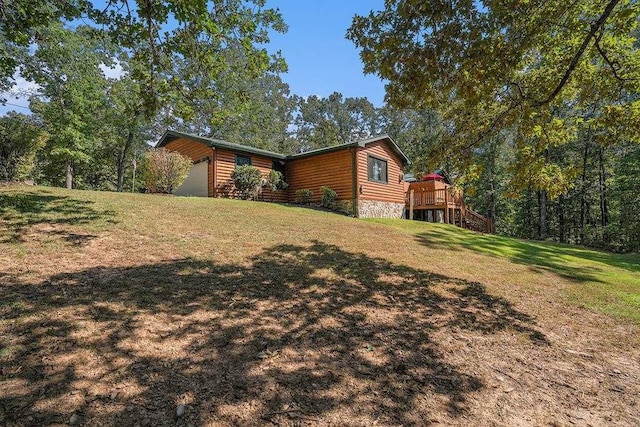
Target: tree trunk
<point>492,189</point>
<point>542,214</point>
<point>561,224</point>
<point>69,176</point>
<point>492,203</point>
<point>604,209</point>
<point>529,226</point>
<point>583,189</point>
<point>122,158</point>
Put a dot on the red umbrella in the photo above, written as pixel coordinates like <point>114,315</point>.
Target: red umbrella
<point>433,177</point>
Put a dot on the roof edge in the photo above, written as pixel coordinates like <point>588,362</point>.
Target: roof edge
<point>362,143</point>
<point>171,135</point>
<point>322,150</point>
<point>394,146</point>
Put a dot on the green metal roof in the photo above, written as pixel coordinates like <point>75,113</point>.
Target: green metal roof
<point>172,135</point>
<point>362,143</point>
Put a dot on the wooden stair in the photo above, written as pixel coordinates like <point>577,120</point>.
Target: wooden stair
<point>455,210</point>
<point>472,220</point>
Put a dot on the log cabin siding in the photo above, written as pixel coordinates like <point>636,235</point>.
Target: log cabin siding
<point>222,162</point>
<point>311,173</point>
<point>393,190</point>
<point>196,151</point>
<point>226,163</point>
<point>344,169</point>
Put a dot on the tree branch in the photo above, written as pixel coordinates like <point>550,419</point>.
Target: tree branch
<point>519,87</point>
<point>149,19</point>
<point>595,27</point>
<point>492,127</point>
<point>614,65</point>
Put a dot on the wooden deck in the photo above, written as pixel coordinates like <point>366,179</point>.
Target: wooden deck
<point>438,205</point>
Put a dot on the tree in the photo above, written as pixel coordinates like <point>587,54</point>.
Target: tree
<point>489,66</point>
<point>18,30</point>
<point>254,110</point>
<point>625,217</point>
<point>487,190</point>
<point>20,139</point>
<point>163,171</point>
<point>416,132</point>
<point>199,30</point>
<point>260,117</point>
<point>66,65</point>
<point>322,122</point>
<point>94,120</point>
<point>125,129</point>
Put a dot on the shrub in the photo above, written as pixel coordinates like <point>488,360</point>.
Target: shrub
<point>163,171</point>
<point>329,197</point>
<point>303,196</point>
<point>248,181</point>
<point>276,182</point>
<point>226,189</point>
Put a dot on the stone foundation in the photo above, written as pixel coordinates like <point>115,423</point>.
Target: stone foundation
<point>378,209</point>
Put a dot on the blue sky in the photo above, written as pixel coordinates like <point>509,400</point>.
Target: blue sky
<point>320,59</point>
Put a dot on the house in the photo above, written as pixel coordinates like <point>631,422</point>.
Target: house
<point>367,174</point>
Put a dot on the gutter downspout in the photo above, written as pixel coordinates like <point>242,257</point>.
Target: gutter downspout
<point>354,182</point>
<point>214,169</point>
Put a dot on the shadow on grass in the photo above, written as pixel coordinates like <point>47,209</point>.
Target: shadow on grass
<point>548,256</point>
<point>20,211</point>
<point>301,334</point>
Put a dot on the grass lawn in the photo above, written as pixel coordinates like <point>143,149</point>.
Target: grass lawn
<point>604,281</point>
<point>120,309</point>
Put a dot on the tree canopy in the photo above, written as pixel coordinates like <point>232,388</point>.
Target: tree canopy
<point>20,139</point>
<point>174,57</point>
<point>486,66</point>
<point>155,33</point>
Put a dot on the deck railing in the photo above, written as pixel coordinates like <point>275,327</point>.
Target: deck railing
<point>442,199</point>
<point>477,222</point>
<point>439,197</point>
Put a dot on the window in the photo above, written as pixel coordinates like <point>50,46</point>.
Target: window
<point>279,166</point>
<point>242,160</point>
<point>377,169</point>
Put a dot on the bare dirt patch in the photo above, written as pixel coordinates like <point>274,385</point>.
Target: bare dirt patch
<point>304,335</point>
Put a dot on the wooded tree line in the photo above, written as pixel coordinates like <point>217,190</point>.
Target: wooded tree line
<point>600,208</point>
<point>532,107</point>
<point>538,101</point>
<point>90,127</point>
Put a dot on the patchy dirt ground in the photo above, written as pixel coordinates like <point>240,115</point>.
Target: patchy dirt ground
<point>311,333</point>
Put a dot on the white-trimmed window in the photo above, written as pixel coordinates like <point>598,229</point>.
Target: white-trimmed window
<point>377,169</point>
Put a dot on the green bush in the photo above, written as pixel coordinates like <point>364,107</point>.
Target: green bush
<point>248,181</point>
<point>329,198</point>
<point>163,171</point>
<point>275,181</point>
<point>303,196</point>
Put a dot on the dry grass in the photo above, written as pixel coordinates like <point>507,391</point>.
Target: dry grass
<point>119,307</point>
